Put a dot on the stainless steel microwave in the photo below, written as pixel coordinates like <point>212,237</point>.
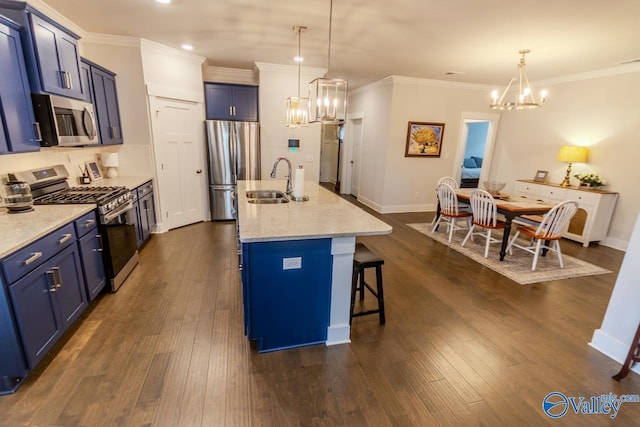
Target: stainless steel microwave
<point>64,122</point>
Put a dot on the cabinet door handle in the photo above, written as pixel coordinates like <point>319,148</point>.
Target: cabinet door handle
<point>89,223</point>
<point>53,287</point>
<point>64,238</point>
<point>230,110</point>
<point>101,247</point>
<point>36,126</point>
<point>66,80</point>
<point>234,111</point>
<point>198,170</point>
<point>56,272</point>
<point>34,256</point>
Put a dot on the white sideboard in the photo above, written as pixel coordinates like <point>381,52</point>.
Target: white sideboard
<point>595,207</point>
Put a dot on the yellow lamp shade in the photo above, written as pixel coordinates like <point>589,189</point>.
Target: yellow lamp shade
<point>572,154</point>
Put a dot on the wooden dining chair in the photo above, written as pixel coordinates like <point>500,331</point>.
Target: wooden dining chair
<point>485,215</point>
<point>553,224</point>
<point>450,211</point>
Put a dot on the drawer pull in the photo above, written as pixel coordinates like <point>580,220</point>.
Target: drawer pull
<point>54,287</point>
<point>89,223</point>
<point>65,237</point>
<point>34,256</point>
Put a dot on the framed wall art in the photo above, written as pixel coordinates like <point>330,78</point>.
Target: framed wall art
<point>541,176</point>
<point>424,139</point>
<point>94,171</point>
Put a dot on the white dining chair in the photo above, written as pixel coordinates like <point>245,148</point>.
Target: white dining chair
<point>553,224</point>
<point>446,180</point>
<point>485,216</point>
<point>450,211</point>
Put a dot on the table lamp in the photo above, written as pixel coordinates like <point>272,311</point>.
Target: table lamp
<point>110,162</point>
<point>571,154</point>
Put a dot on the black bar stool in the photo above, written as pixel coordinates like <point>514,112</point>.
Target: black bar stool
<point>364,258</point>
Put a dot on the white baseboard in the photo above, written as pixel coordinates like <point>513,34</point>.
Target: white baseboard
<point>619,244</point>
<point>611,347</point>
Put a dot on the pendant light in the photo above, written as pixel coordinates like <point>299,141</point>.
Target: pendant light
<point>298,108</point>
<point>327,96</point>
<point>524,99</point>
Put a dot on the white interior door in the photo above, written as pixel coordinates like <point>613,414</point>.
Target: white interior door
<point>180,161</point>
<point>356,155</point>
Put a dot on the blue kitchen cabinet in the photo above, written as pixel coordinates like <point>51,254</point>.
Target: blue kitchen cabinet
<point>13,367</point>
<point>145,212</point>
<point>287,292</point>
<point>85,77</point>
<point>90,245</point>
<point>231,102</point>
<point>51,51</point>
<point>47,291</point>
<point>17,122</point>
<point>105,100</point>
<point>47,301</point>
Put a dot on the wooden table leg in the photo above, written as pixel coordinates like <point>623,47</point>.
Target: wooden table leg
<point>505,236</point>
<point>632,357</point>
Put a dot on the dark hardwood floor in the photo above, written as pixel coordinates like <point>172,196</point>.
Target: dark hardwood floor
<point>462,346</point>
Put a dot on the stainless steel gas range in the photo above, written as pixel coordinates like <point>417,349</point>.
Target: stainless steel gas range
<point>114,206</point>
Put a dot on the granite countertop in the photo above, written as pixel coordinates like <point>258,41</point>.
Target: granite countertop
<point>325,215</point>
<point>17,230</point>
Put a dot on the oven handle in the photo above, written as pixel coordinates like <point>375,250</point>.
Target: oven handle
<point>108,217</point>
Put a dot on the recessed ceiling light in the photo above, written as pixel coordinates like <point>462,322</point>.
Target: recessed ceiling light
<point>163,1</point>
<point>452,73</point>
<point>298,58</point>
<point>187,46</point>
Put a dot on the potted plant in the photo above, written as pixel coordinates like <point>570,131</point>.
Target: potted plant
<point>591,180</point>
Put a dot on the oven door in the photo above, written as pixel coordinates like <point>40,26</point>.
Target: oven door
<point>121,249</point>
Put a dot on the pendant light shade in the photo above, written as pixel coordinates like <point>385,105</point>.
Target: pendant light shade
<point>298,108</point>
<point>327,96</point>
<point>329,100</point>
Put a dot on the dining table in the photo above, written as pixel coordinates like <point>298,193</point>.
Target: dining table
<point>511,207</point>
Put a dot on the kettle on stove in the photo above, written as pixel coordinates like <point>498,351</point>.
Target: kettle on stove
<point>16,196</point>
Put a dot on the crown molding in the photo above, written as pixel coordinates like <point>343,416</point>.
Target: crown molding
<point>588,75</point>
<point>112,40</point>
<point>53,14</point>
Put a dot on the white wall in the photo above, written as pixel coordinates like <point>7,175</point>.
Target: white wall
<point>122,55</point>
<point>391,182</point>
<point>599,112</point>
<point>277,83</point>
<point>615,336</point>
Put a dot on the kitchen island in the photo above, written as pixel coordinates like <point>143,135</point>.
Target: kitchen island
<point>297,260</point>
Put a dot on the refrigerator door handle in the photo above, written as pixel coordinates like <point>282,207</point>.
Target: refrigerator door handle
<point>234,151</point>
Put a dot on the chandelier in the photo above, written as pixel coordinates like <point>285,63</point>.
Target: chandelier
<point>524,98</point>
<point>298,108</point>
<point>328,97</point>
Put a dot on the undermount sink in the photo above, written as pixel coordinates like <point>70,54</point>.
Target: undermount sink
<point>265,194</point>
<point>266,197</point>
<point>268,201</point>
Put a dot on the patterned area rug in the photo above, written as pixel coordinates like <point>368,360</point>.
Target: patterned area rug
<point>516,267</point>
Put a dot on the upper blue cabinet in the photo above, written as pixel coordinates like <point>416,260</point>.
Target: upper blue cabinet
<point>51,51</point>
<point>103,94</point>
<point>231,102</point>
<point>17,122</point>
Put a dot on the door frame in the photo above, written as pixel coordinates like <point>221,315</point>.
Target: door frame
<point>156,152</point>
<point>347,155</point>
<point>473,117</point>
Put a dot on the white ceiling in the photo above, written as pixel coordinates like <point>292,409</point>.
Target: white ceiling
<point>372,39</point>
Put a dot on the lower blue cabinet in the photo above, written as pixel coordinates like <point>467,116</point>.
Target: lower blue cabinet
<point>287,292</point>
<point>47,301</point>
<point>90,245</point>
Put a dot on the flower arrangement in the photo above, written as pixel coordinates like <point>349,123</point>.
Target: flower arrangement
<point>591,180</point>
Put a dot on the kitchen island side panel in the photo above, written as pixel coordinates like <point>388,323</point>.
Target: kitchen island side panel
<point>287,291</point>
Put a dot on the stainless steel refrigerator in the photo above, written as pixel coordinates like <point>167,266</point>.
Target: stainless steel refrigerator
<point>234,154</point>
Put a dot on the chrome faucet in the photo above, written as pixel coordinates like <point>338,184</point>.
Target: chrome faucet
<point>273,173</point>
